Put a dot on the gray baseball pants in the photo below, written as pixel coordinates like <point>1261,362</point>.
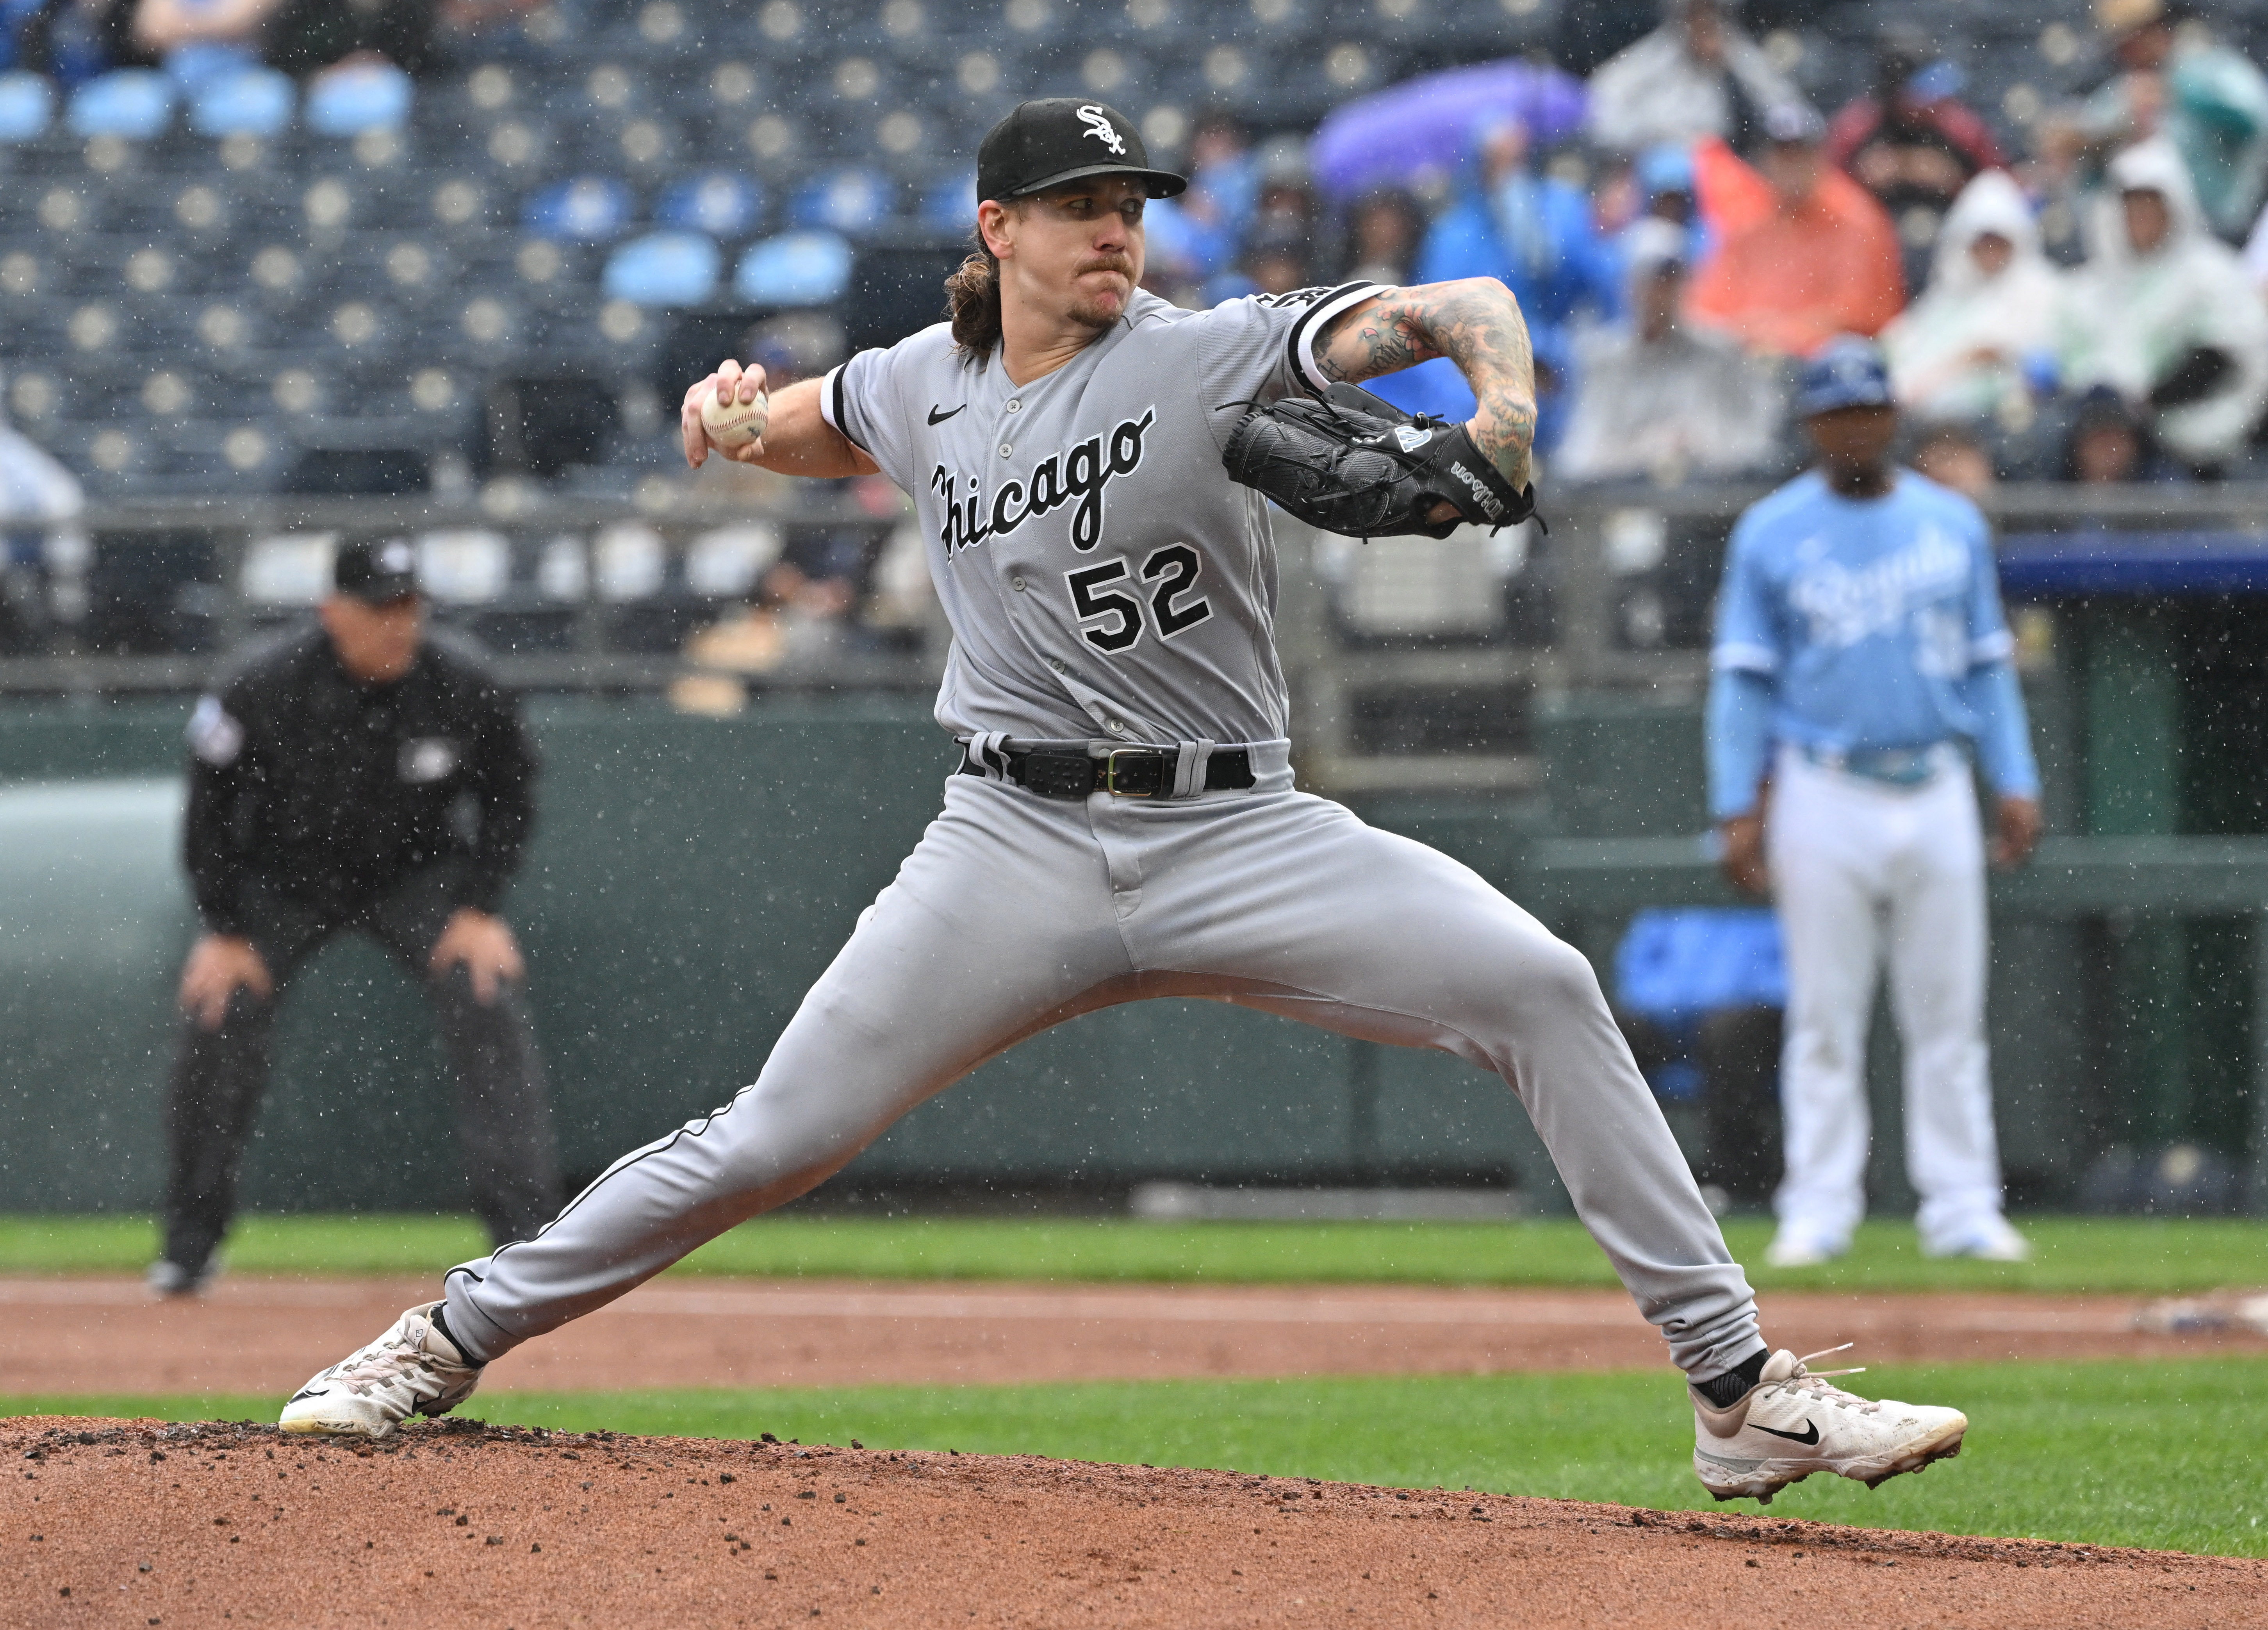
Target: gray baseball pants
<point>1016,912</point>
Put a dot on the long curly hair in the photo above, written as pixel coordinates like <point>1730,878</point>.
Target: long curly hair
<point>974,297</point>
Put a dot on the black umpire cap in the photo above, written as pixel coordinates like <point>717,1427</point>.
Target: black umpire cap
<point>1061,138</point>
<point>378,570</point>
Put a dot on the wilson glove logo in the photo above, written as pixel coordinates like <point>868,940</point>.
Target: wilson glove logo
<point>1490,504</point>
<point>1076,475</point>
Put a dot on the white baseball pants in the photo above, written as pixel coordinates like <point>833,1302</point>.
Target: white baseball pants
<point>1016,912</point>
<point>1858,868</point>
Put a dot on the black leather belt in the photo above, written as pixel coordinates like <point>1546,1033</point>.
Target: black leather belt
<point>1121,771</point>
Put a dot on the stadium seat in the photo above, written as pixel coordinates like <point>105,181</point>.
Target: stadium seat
<point>364,96</point>
<point>293,569</point>
<point>257,101</point>
<point>632,562</point>
<point>794,270</point>
<point>464,567</point>
<point>135,103</point>
<point>951,203</point>
<point>586,208</point>
<point>644,144</point>
<point>484,326</point>
<point>517,148</point>
<point>27,106</point>
<point>664,269</point>
<point>851,200</point>
<point>612,88</point>
<point>723,203</point>
<point>726,563</point>
<point>459,204</point>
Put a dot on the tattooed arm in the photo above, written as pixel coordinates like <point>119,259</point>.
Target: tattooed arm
<point>1475,323</point>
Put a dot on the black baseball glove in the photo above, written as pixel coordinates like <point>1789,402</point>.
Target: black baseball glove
<point>1353,464</point>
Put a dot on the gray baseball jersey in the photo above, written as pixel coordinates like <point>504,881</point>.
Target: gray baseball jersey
<point>1101,573</point>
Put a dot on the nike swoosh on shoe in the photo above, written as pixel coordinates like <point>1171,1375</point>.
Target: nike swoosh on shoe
<point>1810,1434</point>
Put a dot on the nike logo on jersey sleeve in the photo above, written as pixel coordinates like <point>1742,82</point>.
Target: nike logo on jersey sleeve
<point>937,417</point>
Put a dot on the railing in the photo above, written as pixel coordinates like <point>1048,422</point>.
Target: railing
<point>1626,580</point>
<point>1412,664</point>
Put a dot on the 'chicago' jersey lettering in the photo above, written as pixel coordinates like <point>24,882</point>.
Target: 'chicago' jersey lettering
<point>1104,578</point>
<point>1077,476</point>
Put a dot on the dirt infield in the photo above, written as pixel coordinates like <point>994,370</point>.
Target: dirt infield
<point>63,1336</point>
<point>134,1522</point>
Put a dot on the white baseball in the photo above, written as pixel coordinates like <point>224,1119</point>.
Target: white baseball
<point>733,425</point>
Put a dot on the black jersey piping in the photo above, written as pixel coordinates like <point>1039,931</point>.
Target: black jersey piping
<point>1325,308</point>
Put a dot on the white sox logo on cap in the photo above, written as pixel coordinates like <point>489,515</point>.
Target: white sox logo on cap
<point>1099,126</point>
<point>394,555</point>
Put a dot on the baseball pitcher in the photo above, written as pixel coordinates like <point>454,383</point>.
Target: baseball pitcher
<point>1123,822</point>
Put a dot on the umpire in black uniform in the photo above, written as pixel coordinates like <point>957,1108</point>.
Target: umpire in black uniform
<point>361,775</point>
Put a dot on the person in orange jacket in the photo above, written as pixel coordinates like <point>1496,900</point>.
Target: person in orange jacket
<point>1804,253</point>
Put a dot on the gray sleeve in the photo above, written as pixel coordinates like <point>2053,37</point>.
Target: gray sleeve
<point>1262,348</point>
<point>863,399</point>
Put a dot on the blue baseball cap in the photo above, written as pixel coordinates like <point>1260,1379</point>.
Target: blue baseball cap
<point>1847,371</point>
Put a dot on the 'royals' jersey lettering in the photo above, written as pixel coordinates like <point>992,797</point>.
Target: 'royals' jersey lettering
<point>1104,577</point>
<point>1867,614</point>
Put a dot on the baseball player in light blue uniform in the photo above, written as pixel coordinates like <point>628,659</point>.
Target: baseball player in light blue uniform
<point>1125,824</point>
<point>1860,659</point>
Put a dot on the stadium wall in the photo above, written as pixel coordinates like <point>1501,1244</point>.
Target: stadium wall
<point>688,880</point>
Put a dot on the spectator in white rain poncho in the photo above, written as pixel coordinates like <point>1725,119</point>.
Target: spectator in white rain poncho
<point>1969,348</point>
<point>2165,314</point>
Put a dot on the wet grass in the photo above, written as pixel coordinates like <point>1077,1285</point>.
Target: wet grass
<point>2164,1455</point>
<point>2073,1254</point>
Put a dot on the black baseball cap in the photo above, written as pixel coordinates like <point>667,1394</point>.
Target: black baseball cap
<point>379,570</point>
<point>1061,138</point>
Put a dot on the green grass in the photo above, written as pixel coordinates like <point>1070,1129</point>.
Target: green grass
<point>2074,1254</point>
<point>2164,1455</point>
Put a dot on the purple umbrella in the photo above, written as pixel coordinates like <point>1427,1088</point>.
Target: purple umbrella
<point>1426,123</point>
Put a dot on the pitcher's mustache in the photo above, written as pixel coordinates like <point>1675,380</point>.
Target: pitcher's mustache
<point>1115,262</point>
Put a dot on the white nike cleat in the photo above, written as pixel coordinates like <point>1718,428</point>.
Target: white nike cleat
<point>413,1369</point>
<point>1797,1251</point>
<point>1793,1423</point>
<point>1995,1240</point>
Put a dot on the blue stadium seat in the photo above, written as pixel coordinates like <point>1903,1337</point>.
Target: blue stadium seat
<point>136,103</point>
<point>853,201</point>
<point>951,203</point>
<point>723,203</point>
<point>366,96</point>
<point>257,101</point>
<point>584,209</point>
<point>664,269</point>
<point>794,270</point>
<point>27,106</point>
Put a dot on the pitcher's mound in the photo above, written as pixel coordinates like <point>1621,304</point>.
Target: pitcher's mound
<point>452,1521</point>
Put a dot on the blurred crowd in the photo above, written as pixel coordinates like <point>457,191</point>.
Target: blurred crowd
<point>2068,291</point>
<point>1684,226</point>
